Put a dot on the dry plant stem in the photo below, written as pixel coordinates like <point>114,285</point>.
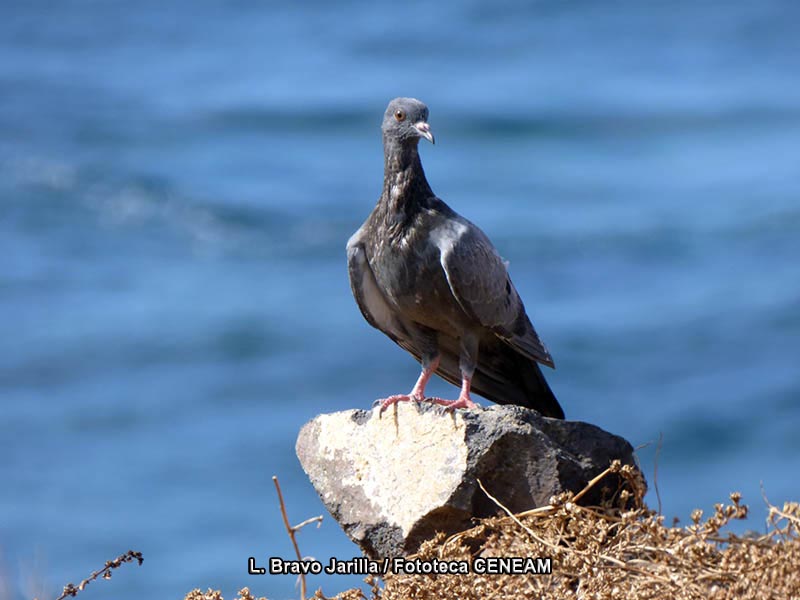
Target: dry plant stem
<point>655,469</point>
<point>783,515</point>
<point>105,573</point>
<point>773,510</point>
<point>299,526</point>
<point>590,485</point>
<point>514,517</point>
<point>292,530</point>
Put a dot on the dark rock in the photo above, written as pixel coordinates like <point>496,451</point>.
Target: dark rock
<point>394,481</point>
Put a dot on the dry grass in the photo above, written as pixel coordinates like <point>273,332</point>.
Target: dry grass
<point>292,531</point>
<point>244,594</point>
<point>613,552</point>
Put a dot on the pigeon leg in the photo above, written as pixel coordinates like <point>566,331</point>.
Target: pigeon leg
<point>467,363</point>
<point>418,393</point>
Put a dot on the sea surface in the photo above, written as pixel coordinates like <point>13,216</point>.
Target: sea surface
<point>177,184</point>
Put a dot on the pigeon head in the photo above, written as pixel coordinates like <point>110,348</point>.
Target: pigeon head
<point>406,120</point>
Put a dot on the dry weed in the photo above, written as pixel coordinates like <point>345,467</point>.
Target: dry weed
<point>612,552</point>
<point>104,573</point>
<point>244,594</point>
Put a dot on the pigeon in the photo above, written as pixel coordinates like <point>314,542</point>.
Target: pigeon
<point>433,282</point>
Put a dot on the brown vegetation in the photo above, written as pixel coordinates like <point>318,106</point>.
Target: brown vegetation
<point>244,594</point>
<point>104,573</point>
<point>606,552</point>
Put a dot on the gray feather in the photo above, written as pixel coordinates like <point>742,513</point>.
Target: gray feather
<point>479,281</point>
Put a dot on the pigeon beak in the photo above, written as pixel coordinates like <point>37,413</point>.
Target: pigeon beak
<point>425,131</point>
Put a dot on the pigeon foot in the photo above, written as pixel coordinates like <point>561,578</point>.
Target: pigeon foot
<point>417,394</point>
<point>462,402</point>
<point>387,402</point>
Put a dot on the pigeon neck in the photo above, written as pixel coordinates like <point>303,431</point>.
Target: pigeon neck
<point>403,177</point>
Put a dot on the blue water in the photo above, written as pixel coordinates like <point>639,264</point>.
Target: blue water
<point>178,181</point>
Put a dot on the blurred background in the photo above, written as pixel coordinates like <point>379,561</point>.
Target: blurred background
<point>177,185</point>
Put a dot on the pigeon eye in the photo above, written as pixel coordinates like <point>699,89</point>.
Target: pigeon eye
<point>400,115</point>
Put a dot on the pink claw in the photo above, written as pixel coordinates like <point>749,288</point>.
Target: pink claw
<point>418,393</point>
<point>462,402</point>
<point>387,402</point>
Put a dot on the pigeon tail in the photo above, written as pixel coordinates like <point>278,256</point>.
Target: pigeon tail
<point>507,377</point>
<point>540,395</point>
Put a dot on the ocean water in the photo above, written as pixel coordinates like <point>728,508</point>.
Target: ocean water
<point>177,184</point>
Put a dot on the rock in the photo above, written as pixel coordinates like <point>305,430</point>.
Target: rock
<point>394,481</point>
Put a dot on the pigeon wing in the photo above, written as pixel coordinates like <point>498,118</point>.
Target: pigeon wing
<point>368,295</point>
<point>371,301</point>
<point>480,283</point>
